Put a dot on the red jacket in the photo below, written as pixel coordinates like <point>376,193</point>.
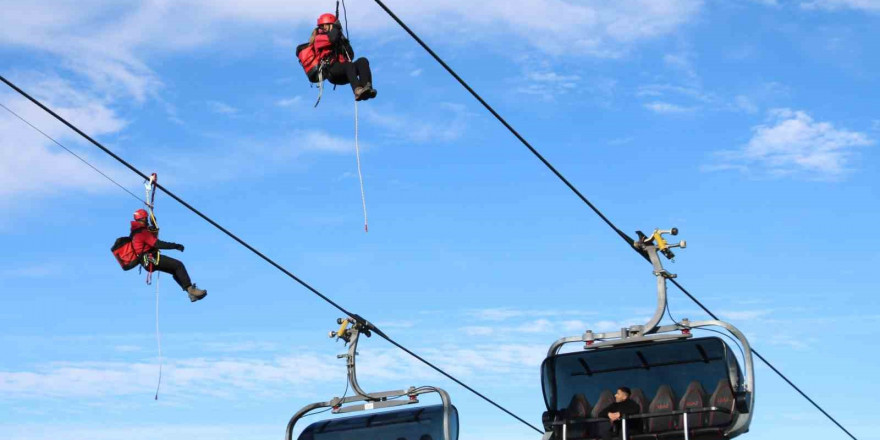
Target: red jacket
<point>142,239</point>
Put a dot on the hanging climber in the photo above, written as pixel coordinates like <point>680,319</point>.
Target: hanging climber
<point>328,55</point>
<point>145,245</point>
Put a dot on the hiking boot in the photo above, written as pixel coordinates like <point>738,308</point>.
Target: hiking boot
<point>370,92</point>
<point>195,293</point>
<point>360,93</point>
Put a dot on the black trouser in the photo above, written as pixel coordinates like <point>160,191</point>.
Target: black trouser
<point>357,73</point>
<point>175,268</point>
<point>606,431</point>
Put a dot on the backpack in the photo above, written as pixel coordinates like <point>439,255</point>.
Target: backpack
<point>123,250</point>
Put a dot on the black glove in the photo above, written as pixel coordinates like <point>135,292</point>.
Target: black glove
<point>178,247</point>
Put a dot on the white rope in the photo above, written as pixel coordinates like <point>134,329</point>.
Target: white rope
<point>158,338</point>
<point>357,150</point>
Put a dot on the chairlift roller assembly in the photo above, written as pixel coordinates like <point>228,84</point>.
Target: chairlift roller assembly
<point>431,422</point>
<point>686,387</point>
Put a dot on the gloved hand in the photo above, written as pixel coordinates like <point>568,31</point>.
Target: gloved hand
<point>178,247</point>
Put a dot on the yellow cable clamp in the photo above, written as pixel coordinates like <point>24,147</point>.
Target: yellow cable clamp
<point>343,325</point>
<point>661,242</point>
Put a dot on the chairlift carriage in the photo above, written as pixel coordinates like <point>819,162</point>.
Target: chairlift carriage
<point>433,422</point>
<point>686,387</point>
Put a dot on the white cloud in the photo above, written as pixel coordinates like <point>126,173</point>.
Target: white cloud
<point>289,102</point>
<point>115,53</point>
<point>217,377</point>
<point>214,431</point>
<point>34,271</point>
<point>792,142</point>
<point>666,108</point>
<point>416,72</point>
<point>744,315</point>
<point>413,129</point>
<point>548,84</point>
<point>505,313</point>
<point>32,164</point>
<point>864,5</point>
<point>745,104</point>
<point>683,64</point>
<point>621,140</point>
<point>222,108</point>
<point>321,141</point>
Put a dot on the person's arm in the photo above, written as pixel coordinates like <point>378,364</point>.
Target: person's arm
<point>335,35</point>
<point>631,408</point>
<point>608,409</point>
<point>337,38</point>
<point>168,245</point>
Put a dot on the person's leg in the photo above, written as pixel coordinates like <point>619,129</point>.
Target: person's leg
<point>175,268</point>
<point>363,71</point>
<point>603,430</point>
<point>343,73</point>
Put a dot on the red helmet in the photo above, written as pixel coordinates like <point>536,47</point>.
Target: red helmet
<point>326,19</point>
<point>140,215</point>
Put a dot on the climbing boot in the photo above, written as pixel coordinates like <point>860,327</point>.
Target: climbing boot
<point>195,293</point>
<point>370,92</point>
<point>360,93</point>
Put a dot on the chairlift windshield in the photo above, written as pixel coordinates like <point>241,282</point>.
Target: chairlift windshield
<point>422,423</point>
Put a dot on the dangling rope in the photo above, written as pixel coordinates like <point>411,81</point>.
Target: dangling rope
<point>158,338</point>
<point>357,150</point>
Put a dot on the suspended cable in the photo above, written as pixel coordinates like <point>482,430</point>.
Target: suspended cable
<point>553,169</point>
<point>72,153</point>
<point>775,370</point>
<point>258,253</point>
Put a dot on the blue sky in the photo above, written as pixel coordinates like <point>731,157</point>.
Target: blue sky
<point>749,125</point>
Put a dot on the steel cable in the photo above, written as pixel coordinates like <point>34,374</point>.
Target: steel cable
<point>556,172</point>
<point>258,253</point>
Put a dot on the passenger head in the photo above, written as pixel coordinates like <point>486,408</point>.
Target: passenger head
<point>325,21</point>
<point>141,216</point>
<point>426,437</point>
<point>622,394</point>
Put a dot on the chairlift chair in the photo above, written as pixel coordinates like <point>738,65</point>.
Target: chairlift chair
<point>432,422</point>
<point>687,387</point>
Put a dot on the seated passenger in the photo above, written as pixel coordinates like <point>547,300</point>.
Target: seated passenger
<point>621,407</point>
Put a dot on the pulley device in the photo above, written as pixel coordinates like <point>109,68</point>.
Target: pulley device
<point>435,422</point>
<point>686,387</point>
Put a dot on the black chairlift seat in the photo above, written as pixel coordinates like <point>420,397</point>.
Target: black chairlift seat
<point>421,423</point>
<point>672,375</point>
